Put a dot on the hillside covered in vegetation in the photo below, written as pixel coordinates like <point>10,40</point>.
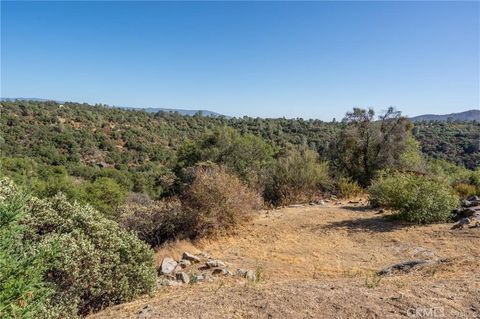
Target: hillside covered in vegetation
<point>108,185</point>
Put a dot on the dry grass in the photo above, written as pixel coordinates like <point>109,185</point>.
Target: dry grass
<point>319,262</point>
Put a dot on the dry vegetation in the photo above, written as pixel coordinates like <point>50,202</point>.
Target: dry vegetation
<point>321,262</point>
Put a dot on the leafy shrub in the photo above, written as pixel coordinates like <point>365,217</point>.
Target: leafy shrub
<point>98,264</point>
<point>104,194</point>
<point>296,176</point>
<point>349,188</point>
<point>415,198</point>
<point>465,190</point>
<point>23,293</point>
<point>248,156</point>
<point>154,221</point>
<point>217,201</point>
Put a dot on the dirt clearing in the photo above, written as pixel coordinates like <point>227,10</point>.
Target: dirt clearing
<point>321,262</point>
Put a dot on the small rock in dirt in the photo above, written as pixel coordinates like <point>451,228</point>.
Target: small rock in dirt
<point>473,198</point>
<point>248,274</point>
<point>461,223</point>
<point>184,263</point>
<point>183,277</point>
<point>168,282</point>
<point>405,266</point>
<point>168,265</point>
<point>220,271</point>
<point>198,278</point>
<point>190,257</point>
<point>213,263</point>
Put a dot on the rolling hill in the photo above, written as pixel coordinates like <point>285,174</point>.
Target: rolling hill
<point>471,115</point>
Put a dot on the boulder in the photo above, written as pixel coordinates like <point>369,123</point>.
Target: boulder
<point>245,273</point>
<point>220,271</point>
<point>190,257</point>
<point>168,265</point>
<point>461,223</point>
<point>183,277</point>
<point>168,282</point>
<point>213,263</point>
<point>405,267</point>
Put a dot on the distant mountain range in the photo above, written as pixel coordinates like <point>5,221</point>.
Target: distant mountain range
<point>146,109</point>
<point>472,115</point>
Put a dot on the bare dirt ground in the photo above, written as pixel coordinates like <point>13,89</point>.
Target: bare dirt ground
<point>321,262</point>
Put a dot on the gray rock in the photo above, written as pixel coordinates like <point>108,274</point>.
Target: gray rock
<point>220,271</point>
<point>168,282</point>
<point>190,257</point>
<point>183,277</point>
<point>168,265</point>
<point>473,198</point>
<point>198,278</point>
<point>245,273</point>
<point>461,223</point>
<point>405,266</point>
<point>213,263</point>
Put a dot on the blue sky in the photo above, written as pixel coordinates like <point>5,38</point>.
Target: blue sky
<point>268,59</point>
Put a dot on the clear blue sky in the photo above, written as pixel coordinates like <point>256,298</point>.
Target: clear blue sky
<point>268,59</point>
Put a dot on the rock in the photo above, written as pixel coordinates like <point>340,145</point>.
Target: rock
<point>466,212</point>
<point>405,266</point>
<point>168,282</point>
<point>296,205</point>
<point>473,198</point>
<point>220,271</point>
<point>183,277</point>
<point>248,274</point>
<point>321,202</point>
<point>184,263</point>
<point>168,265</point>
<point>190,257</point>
<point>198,278</point>
<point>461,223</point>
<point>213,263</point>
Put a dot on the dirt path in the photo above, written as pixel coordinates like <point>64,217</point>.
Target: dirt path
<point>320,262</point>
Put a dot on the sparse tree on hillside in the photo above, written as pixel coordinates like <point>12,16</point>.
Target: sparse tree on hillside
<point>366,145</point>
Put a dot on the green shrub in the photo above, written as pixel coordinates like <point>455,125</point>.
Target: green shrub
<point>415,198</point>
<point>154,221</point>
<point>98,263</point>
<point>296,176</point>
<point>465,190</point>
<point>349,188</point>
<point>248,156</point>
<point>104,194</point>
<point>23,293</point>
<point>217,201</point>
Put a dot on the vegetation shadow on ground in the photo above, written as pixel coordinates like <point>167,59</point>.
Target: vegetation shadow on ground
<point>373,224</point>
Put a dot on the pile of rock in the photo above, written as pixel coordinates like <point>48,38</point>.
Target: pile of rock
<point>195,269</point>
<point>468,214</point>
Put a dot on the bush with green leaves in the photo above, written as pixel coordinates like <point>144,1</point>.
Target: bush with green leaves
<point>349,188</point>
<point>297,175</point>
<point>414,198</point>
<point>23,293</point>
<point>98,263</point>
<point>104,194</point>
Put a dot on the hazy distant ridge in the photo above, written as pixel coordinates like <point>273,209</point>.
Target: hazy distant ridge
<point>472,115</point>
<point>146,109</point>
